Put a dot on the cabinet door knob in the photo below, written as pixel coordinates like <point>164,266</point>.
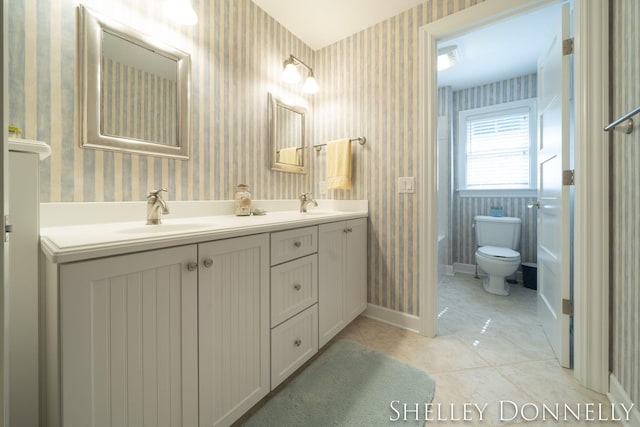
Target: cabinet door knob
<point>349,229</point>
<point>208,262</point>
<point>298,342</point>
<point>297,286</point>
<point>346,230</point>
<point>297,243</point>
<point>192,266</point>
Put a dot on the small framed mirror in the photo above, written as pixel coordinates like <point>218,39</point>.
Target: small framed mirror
<point>287,146</point>
<point>135,90</point>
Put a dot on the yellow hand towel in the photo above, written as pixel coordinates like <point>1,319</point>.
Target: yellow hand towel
<point>289,156</point>
<point>339,164</point>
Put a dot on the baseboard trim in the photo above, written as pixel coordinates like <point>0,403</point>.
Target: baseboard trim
<point>470,269</point>
<point>393,317</point>
<point>617,395</point>
<point>448,270</point>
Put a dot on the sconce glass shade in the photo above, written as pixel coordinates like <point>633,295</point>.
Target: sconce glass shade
<point>290,74</point>
<point>180,11</point>
<point>310,84</point>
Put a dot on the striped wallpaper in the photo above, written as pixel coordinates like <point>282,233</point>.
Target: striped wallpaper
<point>236,52</point>
<point>124,87</point>
<point>368,83</point>
<point>625,189</point>
<point>463,239</point>
<point>369,86</point>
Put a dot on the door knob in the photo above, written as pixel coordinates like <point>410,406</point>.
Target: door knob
<point>208,262</point>
<point>192,266</point>
<point>297,243</point>
<point>531,204</point>
<point>297,286</point>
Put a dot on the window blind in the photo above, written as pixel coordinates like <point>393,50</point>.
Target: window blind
<point>497,151</point>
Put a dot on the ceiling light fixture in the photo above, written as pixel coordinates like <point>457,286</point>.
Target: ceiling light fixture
<point>290,74</point>
<point>447,57</point>
<point>181,11</point>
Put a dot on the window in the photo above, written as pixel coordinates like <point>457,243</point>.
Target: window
<point>497,149</point>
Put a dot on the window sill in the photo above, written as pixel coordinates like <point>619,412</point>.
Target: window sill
<point>515,192</point>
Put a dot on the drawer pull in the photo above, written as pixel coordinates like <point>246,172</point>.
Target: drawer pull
<point>192,266</point>
<point>208,262</point>
<point>298,342</point>
<point>297,243</point>
<point>297,286</point>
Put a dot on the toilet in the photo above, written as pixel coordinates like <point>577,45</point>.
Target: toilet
<point>498,237</point>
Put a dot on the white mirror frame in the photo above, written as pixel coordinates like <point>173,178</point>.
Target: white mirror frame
<point>91,26</point>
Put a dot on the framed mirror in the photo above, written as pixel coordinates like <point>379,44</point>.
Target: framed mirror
<point>287,146</point>
<point>134,89</point>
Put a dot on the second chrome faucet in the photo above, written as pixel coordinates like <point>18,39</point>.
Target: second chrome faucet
<point>305,200</point>
<point>155,207</point>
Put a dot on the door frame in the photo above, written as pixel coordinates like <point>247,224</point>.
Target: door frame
<point>591,162</point>
<point>4,209</point>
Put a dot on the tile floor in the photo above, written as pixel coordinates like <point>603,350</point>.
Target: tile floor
<point>489,349</point>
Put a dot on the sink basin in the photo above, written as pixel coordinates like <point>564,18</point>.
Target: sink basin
<point>166,228</point>
<point>315,212</point>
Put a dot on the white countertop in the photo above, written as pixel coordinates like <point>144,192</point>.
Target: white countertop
<point>69,243</point>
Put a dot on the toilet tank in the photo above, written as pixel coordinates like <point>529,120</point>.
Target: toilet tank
<point>501,231</point>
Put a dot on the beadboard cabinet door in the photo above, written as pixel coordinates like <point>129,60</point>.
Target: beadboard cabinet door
<point>342,275</point>
<point>355,285</point>
<point>128,331</point>
<point>234,327</point>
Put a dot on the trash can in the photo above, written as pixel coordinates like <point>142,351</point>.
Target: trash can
<point>530,275</point>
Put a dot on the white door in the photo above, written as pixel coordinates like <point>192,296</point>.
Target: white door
<point>355,283</point>
<point>233,313</point>
<point>553,196</point>
<point>331,255</point>
<point>128,331</point>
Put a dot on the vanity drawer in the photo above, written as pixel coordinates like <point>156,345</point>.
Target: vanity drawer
<point>294,287</point>
<point>293,343</point>
<point>292,244</point>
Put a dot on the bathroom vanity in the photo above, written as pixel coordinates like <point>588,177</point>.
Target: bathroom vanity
<point>193,322</point>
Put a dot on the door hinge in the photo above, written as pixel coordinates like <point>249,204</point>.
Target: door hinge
<point>7,228</point>
<point>567,307</point>
<point>568,177</point>
<point>567,46</point>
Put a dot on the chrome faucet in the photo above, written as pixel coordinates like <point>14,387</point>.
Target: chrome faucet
<point>305,199</point>
<point>154,204</point>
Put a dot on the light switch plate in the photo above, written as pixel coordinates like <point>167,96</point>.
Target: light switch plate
<point>406,184</point>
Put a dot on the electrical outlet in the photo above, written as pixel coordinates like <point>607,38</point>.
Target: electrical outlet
<point>322,188</point>
<point>410,183</point>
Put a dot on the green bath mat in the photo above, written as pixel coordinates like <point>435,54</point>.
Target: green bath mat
<point>347,385</point>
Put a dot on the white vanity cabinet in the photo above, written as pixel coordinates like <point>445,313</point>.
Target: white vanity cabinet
<point>128,340</point>
<point>342,284</point>
<point>192,330</point>
<point>233,312</point>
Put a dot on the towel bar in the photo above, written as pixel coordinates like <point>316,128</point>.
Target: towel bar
<point>361,140</point>
<point>628,126</point>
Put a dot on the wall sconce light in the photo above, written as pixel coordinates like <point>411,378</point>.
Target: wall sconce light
<point>447,57</point>
<point>290,74</point>
<point>180,11</point>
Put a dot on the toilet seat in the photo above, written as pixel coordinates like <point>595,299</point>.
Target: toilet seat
<point>496,252</point>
